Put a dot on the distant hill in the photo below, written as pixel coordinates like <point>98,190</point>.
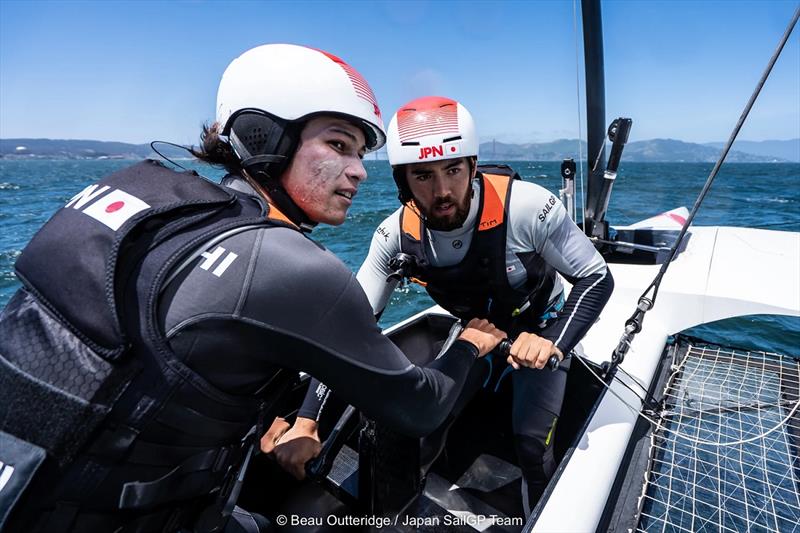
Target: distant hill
<point>80,149</point>
<point>654,150</point>
<point>789,150</point>
<point>683,152</point>
<point>548,151</point>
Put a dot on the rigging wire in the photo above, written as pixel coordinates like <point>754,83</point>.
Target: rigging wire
<point>656,282</point>
<point>578,98</point>
<point>647,395</point>
<point>648,298</point>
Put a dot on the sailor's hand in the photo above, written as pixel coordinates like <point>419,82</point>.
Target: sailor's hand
<point>274,433</point>
<point>298,446</point>
<point>532,351</point>
<point>483,335</point>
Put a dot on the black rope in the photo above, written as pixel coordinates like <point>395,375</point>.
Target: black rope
<point>648,298</point>
<point>651,404</point>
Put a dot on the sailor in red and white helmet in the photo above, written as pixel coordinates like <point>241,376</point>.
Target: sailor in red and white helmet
<point>168,357</point>
<point>486,245</point>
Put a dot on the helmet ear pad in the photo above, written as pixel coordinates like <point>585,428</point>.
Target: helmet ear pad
<point>264,143</point>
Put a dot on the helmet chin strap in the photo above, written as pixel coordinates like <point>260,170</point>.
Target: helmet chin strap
<point>259,159</point>
<point>265,145</point>
<point>272,190</point>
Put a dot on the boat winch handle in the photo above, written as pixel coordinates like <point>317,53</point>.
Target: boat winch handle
<point>317,469</point>
<point>504,349</point>
<point>402,266</point>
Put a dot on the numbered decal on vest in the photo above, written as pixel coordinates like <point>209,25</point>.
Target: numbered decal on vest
<point>213,259</point>
<point>5,475</point>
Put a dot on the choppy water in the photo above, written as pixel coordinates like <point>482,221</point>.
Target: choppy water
<point>754,195</point>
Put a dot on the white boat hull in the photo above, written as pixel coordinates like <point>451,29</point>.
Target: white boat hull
<point>724,272</point>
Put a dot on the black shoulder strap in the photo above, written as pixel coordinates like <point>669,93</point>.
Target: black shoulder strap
<point>502,170</point>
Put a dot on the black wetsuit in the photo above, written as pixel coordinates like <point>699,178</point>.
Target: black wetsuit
<point>287,301</point>
<point>248,305</point>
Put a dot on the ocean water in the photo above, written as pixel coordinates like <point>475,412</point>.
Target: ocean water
<point>744,194</point>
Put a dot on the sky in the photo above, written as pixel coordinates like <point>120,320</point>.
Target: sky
<point>147,70</point>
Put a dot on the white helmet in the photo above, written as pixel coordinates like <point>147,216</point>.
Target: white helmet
<point>271,89</point>
<point>429,129</point>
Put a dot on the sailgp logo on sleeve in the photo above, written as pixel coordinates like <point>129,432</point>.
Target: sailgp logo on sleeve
<point>548,206</point>
<point>110,208</point>
<point>6,472</point>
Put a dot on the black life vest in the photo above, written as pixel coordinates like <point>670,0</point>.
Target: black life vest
<point>131,434</point>
<point>478,285</point>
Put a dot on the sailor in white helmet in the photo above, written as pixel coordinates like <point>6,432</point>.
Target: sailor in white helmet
<point>484,245</point>
<point>130,386</point>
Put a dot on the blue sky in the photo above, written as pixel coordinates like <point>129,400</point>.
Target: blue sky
<point>138,71</point>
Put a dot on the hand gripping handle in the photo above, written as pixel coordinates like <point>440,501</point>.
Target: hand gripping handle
<point>504,349</point>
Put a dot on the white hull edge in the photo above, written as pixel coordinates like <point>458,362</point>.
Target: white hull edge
<point>724,272</point>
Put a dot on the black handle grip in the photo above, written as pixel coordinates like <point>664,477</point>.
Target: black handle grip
<point>402,266</point>
<point>318,468</point>
<point>504,349</point>
<point>618,133</point>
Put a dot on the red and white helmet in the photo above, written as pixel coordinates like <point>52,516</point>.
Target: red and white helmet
<point>294,83</point>
<point>429,129</point>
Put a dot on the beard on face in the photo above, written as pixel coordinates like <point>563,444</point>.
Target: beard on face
<point>449,222</point>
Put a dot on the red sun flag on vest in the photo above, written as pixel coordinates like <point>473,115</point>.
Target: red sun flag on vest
<point>115,208</point>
